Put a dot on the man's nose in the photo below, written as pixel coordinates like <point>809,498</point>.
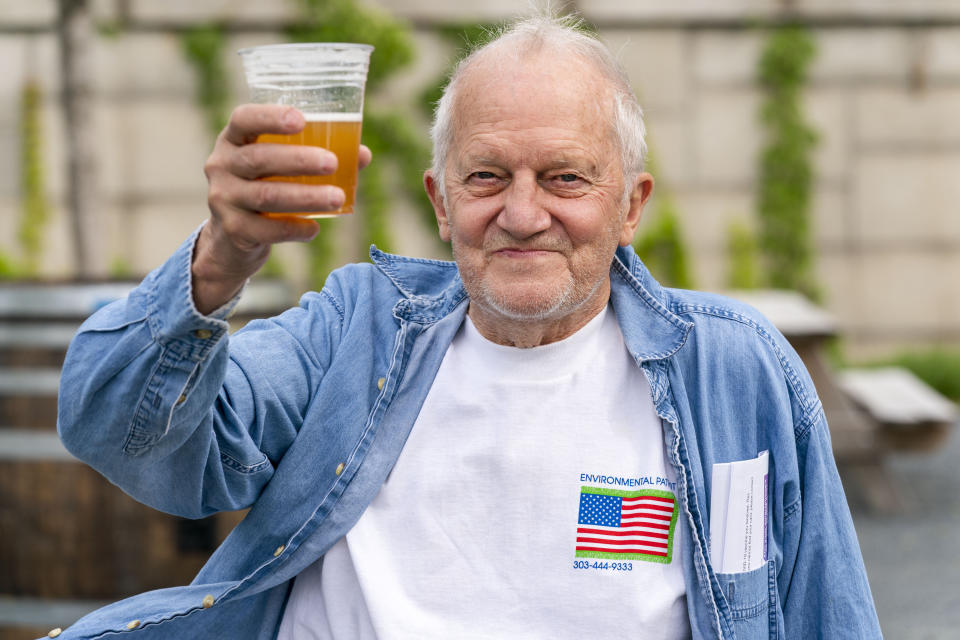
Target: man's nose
<point>523,213</point>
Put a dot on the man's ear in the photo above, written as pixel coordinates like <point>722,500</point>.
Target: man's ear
<point>639,195</point>
<point>435,193</point>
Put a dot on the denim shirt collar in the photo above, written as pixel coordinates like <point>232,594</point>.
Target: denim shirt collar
<point>651,330</point>
<point>433,288</point>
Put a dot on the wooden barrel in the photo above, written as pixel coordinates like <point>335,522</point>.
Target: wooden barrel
<point>70,539</point>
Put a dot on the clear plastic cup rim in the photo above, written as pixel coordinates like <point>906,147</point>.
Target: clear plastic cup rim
<point>291,46</point>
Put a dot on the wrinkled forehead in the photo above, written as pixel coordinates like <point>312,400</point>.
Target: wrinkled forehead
<point>513,89</point>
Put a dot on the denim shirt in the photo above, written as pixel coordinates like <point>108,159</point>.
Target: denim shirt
<point>302,416</point>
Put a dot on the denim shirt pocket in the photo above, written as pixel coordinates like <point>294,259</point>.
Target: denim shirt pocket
<point>752,599</point>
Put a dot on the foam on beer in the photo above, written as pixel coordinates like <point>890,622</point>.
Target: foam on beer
<point>333,117</point>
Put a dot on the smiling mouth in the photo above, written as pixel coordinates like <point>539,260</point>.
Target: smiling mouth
<point>523,253</point>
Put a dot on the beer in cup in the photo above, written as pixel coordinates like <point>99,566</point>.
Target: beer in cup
<point>325,81</point>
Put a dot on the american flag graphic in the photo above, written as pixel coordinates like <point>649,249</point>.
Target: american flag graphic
<point>626,525</point>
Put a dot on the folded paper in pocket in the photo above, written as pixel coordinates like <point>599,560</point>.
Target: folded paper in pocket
<point>738,515</point>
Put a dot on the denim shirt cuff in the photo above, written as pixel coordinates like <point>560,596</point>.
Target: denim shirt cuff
<point>172,315</point>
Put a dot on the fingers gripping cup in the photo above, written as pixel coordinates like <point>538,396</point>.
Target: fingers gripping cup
<point>325,81</point>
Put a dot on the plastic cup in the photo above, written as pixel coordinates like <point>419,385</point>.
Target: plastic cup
<point>326,82</point>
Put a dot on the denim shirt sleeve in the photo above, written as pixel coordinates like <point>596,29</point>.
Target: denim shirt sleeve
<point>823,582</point>
<point>160,400</point>
<point>743,389</point>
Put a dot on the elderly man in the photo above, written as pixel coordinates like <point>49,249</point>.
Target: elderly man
<point>450,450</point>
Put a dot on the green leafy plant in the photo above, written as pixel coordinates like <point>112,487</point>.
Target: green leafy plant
<point>203,47</point>
<point>110,28</point>
<point>348,21</point>
<point>785,175</point>
<point>394,136</point>
<point>8,267</point>
<point>272,268</point>
<point>35,208</point>
<point>742,256</point>
<point>121,269</point>
<point>661,246</point>
<point>464,37</point>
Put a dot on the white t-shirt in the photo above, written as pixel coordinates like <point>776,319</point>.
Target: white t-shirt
<point>531,500</point>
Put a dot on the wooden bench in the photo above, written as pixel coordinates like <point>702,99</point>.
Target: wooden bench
<point>909,415</point>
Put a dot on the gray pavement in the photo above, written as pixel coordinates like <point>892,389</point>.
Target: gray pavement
<point>912,556</point>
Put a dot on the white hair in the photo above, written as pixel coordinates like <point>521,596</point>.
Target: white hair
<point>562,34</point>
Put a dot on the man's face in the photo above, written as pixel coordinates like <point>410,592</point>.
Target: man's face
<point>535,204</point>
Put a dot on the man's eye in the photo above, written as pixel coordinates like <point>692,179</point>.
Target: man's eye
<point>567,180</point>
<point>484,175</point>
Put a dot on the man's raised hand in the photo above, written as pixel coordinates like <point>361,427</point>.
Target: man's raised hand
<point>236,241</point>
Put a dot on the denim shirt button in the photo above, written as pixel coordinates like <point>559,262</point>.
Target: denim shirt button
<point>279,551</point>
<point>380,383</point>
<point>133,624</point>
<point>340,468</point>
<point>203,334</point>
<point>54,632</point>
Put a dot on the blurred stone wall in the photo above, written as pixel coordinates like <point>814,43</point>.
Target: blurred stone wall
<point>884,96</point>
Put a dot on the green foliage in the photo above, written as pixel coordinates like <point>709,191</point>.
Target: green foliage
<point>785,174</point>
<point>203,46</point>
<point>465,37</point>
<point>272,268</point>
<point>35,209</point>
<point>662,248</point>
<point>321,252</point>
<point>939,368</point>
<point>348,21</point>
<point>742,256</point>
<point>375,200</point>
<point>110,29</point>
<point>9,270</point>
<point>120,268</point>
<point>391,135</point>
<point>661,244</point>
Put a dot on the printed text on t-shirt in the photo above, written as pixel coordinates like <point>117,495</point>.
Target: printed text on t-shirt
<point>641,481</point>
